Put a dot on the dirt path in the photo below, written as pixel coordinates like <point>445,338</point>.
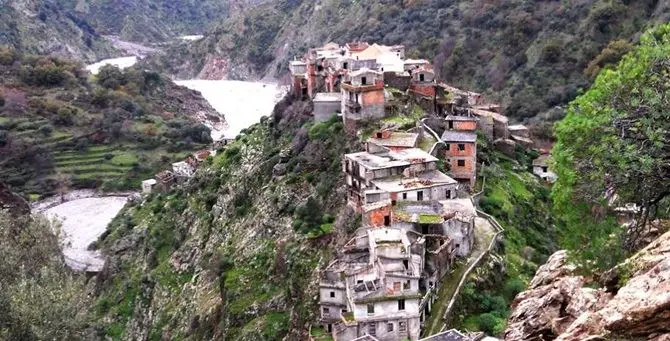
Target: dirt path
<point>484,233</point>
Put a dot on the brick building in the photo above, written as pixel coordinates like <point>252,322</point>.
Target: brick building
<point>460,148</point>
<point>362,96</point>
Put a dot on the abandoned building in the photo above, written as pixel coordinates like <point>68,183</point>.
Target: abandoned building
<point>362,96</point>
<point>378,287</point>
<point>327,104</point>
<point>148,186</point>
<point>492,124</point>
<point>409,174</point>
<point>542,168</point>
<point>393,140</point>
<point>460,148</point>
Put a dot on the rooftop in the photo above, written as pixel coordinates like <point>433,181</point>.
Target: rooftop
<point>366,338</point>
<point>517,127</point>
<point>460,118</point>
<point>298,62</point>
<point>494,115</point>
<point>462,206</point>
<point>416,61</point>
<point>422,180</point>
<point>328,97</point>
<point>459,136</point>
<point>427,212</point>
<point>397,139</point>
<point>522,139</point>
<point>363,71</point>
<point>542,160</point>
<point>449,335</point>
<point>390,159</point>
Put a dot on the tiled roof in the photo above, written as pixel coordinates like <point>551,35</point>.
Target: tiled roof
<point>459,136</point>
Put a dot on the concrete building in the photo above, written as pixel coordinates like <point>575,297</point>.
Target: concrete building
<point>362,97</point>
<point>327,104</point>
<point>409,174</point>
<point>542,168</point>
<point>393,140</point>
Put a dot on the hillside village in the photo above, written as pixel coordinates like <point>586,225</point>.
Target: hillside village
<point>416,219</point>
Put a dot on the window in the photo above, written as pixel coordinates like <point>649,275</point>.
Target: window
<point>447,146</point>
<point>332,294</point>
<point>371,309</point>
<point>419,196</point>
<point>407,285</point>
<point>451,124</point>
<point>401,305</point>
<point>326,311</point>
<point>360,281</point>
<point>372,329</point>
<point>461,147</point>
<point>345,65</point>
<point>389,327</point>
<point>545,169</point>
<point>392,202</point>
<point>320,68</point>
<point>364,80</point>
<point>448,194</point>
<point>396,286</point>
<point>402,326</point>
<point>387,220</point>
<point>405,262</point>
<point>379,135</point>
<point>422,77</point>
<point>461,163</point>
<point>330,328</point>
<point>404,196</point>
<point>344,310</point>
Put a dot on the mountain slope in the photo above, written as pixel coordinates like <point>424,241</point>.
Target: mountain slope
<point>58,129</point>
<point>531,55</point>
<point>46,27</point>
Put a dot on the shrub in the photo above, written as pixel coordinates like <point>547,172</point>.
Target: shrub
<point>513,287</point>
<point>487,323</point>
<point>110,77</point>
<point>45,130</point>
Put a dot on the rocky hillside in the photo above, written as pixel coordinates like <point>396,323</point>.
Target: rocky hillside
<point>62,129</point>
<point>234,255</point>
<point>632,302</point>
<point>47,27</point>
<point>153,21</point>
<point>531,55</point>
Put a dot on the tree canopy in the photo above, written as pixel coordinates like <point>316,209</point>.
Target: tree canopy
<point>612,149</point>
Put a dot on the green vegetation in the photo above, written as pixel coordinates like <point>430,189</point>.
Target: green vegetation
<point>532,56</point>
<point>614,141</point>
<point>41,299</point>
<point>60,130</point>
<point>522,205</point>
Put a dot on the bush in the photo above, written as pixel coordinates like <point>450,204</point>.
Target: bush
<point>110,77</point>
<point>513,287</point>
<point>45,130</point>
<point>488,323</point>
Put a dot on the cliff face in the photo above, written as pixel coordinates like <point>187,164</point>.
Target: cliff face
<point>558,305</point>
<point>235,253</point>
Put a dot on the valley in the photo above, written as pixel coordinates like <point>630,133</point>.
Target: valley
<point>260,170</point>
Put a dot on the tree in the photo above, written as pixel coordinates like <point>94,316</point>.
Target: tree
<point>612,149</point>
<point>110,77</point>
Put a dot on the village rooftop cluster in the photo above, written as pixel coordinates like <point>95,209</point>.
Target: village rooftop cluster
<point>416,220</point>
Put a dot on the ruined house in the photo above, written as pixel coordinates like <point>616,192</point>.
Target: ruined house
<point>362,97</point>
<point>298,71</point>
<point>326,105</point>
<point>542,168</point>
<point>409,174</point>
<point>494,125</point>
<point>423,82</point>
<point>164,180</point>
<point>183,169</point>
<point>375,287</point>
<point>393,140</point>
<point>460,148</point>
<point>148,186</point>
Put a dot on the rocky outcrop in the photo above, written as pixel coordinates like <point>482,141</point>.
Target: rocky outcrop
<point>558,305</point>
<point>12,202</point>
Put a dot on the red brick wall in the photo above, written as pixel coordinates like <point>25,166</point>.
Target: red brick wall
<point>376,218</point>
<point>372,97</point>
<point>465,125</point>
<point>453,150</point>
<point>423,89</point>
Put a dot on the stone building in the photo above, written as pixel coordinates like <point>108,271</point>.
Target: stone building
<point>542,168</point>
<point>362,96</point>
<point>409,174</point>
<point>494,125</point>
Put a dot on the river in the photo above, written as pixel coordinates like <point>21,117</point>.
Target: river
<point>85,216</point>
